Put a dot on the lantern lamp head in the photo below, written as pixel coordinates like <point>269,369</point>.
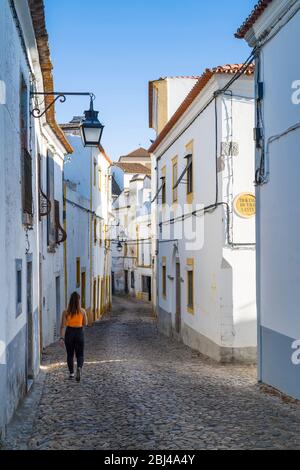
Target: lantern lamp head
<point>91,128</point>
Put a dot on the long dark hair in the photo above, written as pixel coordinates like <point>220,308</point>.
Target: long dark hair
<point>74,304</point>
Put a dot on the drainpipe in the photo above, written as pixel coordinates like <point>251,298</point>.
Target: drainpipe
<point>257,228</point>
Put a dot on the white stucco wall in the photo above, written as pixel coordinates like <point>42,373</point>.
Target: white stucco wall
<point>224,277</point>
<point>278,260</point>
<point>178,89</point>
<point>132,217</point>
<point>90,202</point>
<point>16,242</point>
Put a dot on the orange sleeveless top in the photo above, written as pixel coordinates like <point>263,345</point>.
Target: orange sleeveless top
<point>76,321</point>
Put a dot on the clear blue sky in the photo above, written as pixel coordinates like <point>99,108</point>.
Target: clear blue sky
<point>114,47</point>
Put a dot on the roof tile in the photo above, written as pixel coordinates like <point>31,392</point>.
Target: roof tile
<point>252,18</point>
<point>134,168</point>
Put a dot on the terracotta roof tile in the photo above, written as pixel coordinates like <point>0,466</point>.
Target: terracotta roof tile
<point>140,152</point>
<point>39,24</point>
<point>134,168</point>
<point>252,18</point>
<point>195,91</point>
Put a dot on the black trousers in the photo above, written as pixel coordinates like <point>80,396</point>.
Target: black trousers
<point>74,341</point>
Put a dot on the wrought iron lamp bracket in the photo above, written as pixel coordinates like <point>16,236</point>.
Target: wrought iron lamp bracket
<point>61,96</point>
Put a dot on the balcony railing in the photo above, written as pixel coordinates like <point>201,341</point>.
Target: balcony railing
<point>60,234</point>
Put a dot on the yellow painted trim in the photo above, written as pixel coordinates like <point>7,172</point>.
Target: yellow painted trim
<point>190,262</point>
<point>189,145</point>
<point>162,103</point>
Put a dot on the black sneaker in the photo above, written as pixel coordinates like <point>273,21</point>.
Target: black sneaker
<point>78,374</point>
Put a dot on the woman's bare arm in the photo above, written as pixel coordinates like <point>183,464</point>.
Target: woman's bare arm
<point>85,319</point>
<point>63,324</point>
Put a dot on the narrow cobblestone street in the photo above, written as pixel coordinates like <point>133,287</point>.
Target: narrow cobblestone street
<point>141,390</point>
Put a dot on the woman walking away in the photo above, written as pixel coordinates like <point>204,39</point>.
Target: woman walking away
<point>72,323</point>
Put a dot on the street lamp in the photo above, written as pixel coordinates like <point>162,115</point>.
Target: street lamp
<point>119,246</point>
<point>91,128</point>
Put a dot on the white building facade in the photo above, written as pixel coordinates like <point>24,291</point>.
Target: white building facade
<point>273,29</point>
<point>131,243</point>
<point>205,219</point>
<point>87,186</point>
<point>32,152</point>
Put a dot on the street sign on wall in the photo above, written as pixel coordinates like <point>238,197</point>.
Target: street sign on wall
<point>245,205</point>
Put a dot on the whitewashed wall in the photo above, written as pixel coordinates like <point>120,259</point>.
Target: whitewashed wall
<point>95,258</point>
<point>132,210</point>
<point>15,242</point>
<point>278,213</point>
<point>224,321</point>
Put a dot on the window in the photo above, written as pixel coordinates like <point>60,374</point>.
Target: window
<point>163,186</point>
<point>163,190</point>
<point>164,277</point>
<point>145,284</point>
<point>189,173</point>
<point>26,160</point>
<point>23,113</point>
<point>95,231</point>
<point>174,178</point>
<point>18,287</point>
<point>190,285</point>
<point>77,272</point>
<point>51,239</point>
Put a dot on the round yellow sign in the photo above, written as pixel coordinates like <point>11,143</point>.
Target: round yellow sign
<point>244,205</point>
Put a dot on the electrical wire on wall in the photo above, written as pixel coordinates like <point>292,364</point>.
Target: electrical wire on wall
<point>212,207</point>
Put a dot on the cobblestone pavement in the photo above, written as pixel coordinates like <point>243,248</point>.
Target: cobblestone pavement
<point>141,390</point>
